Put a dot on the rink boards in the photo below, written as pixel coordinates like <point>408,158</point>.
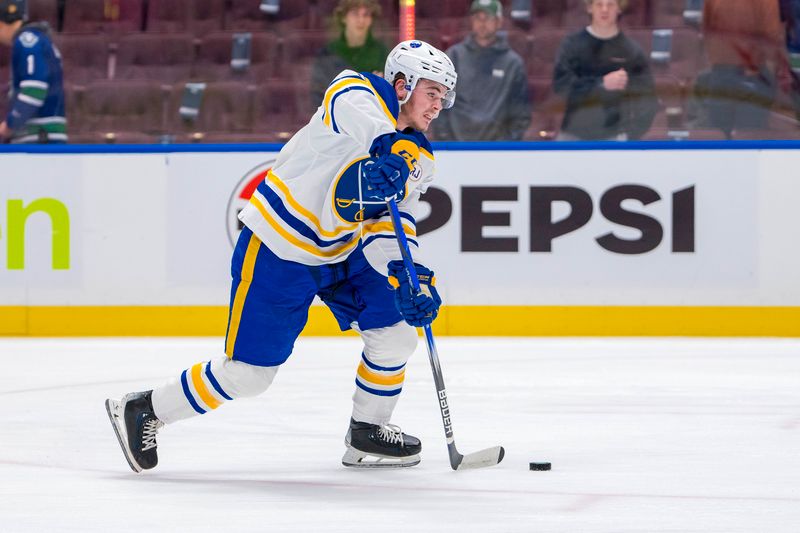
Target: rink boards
<point>634,239</point>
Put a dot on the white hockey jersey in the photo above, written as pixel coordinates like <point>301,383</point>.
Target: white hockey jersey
<point>311,208</point>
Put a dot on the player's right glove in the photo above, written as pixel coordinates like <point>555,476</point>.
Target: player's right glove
<point>394,157</point>
<point>417,308</point>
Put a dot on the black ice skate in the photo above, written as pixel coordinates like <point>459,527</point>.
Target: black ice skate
<point>136,426</point>
<point>374,446</point>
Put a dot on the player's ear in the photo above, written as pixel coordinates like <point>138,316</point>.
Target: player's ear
<point>400,88</point>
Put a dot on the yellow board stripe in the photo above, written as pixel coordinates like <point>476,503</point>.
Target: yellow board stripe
<point>379,379</point>
<point>201,388</point>
<point>535,321</point>
<point>310,248</point>
<point>248,266</point>
<point>272,178</point>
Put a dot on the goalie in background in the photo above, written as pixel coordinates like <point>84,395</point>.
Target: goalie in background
<point>318,225</point>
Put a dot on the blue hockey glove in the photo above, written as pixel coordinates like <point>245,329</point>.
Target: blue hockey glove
<point>387,175</point>
<point>418,308</point>
<point>394,155</point>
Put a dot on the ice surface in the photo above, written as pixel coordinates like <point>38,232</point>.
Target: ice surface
<point>645,435</point>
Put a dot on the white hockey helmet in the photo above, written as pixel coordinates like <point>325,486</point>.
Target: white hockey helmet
<point>417,59</point>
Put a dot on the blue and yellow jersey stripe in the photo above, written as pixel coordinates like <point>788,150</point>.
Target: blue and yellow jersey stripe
<point>353,82</point>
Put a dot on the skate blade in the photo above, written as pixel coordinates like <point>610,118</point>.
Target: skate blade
<point>115,410</point>
<point>357,459</point>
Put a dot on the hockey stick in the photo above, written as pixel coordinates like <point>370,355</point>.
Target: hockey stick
<point>479,459</point>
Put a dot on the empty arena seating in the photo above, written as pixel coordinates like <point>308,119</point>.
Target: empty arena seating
<point>127,61</point>
<point>213,59</point>
<point>85,56</point>
<point>44,10</point>
<point>108,16</point>
<point>126,109</point>
<point>164,57</point>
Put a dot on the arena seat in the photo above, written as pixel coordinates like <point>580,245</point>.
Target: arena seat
<point>213,62</point>
<point>109,16</point>
<point>85,56</point>
<point>46,11</point>
<point>206,15</point>
<point>246,15</point>
<point>165,57</point>
<point>544,50</point>
<point>121,106</point>
<point>168,16</point>
<point>227,107</point>
<point>281,109</point>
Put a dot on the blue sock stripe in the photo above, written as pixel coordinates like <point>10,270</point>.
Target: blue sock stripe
<point>215,383</point>
<point>373,366</point>
<point>188,394</point>
<point>379,392</point>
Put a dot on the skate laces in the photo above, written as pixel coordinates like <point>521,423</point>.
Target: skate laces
<point>149,431</point>
<point>391,434</point>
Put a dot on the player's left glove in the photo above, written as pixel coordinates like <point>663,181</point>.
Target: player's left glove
<point>418,308</point>
<point>387,175</point>
<point>394,157</point>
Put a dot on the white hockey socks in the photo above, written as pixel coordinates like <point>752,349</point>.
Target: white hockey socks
<point>205,386</point>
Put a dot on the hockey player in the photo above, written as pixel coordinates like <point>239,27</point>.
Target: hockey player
<point>318,226</point>
<point>36,108</point>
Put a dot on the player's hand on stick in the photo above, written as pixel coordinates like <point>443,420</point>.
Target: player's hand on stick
<point>387,175</point>
<point>418,308</point>
<point>394,157</point>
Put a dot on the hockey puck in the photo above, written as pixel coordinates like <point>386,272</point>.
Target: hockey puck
<point>539,466</point>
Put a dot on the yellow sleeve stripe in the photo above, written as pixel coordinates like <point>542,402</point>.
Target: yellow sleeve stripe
<point>334,89</point>
<point>426,153</point>
<point>383,105</point>
<point>310,248</point>
<point>202,390</point>
<point>248,266</point>
<point>379,379</point>
<point>337,231</point>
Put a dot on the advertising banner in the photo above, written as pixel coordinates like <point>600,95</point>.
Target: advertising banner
<point>574,241</point>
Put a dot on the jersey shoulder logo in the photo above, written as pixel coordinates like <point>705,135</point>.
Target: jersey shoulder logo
<point>28,39</point>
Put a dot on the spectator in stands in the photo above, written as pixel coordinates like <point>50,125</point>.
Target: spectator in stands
<point>790,15</point>
<point>606,79</point>
<point>493,103</point>
<point>746,47</point>
<point>36,107</point>
<point>355,48</point>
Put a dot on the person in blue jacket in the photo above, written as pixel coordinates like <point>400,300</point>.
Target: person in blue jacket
<point>36,108</point>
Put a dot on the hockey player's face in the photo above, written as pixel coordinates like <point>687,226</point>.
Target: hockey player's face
<point>424,104</point>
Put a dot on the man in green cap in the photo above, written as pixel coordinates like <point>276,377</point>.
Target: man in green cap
<point>493,102</point>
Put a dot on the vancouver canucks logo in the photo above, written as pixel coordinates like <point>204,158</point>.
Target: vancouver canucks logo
<point>415,44</point>
<point>353,200</point>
